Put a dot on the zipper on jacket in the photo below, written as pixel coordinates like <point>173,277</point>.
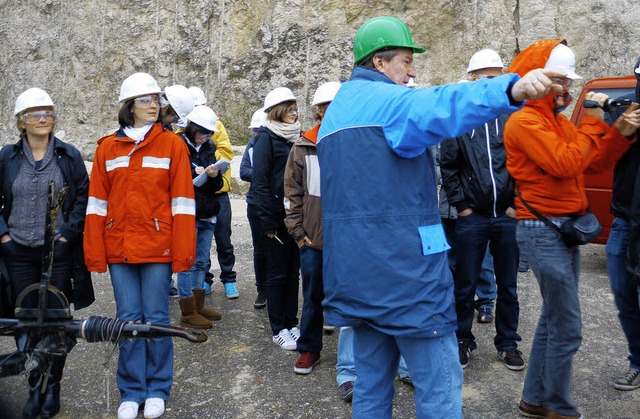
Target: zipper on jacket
<point>155,220</point>
<point>493,180</point>
<point>110,224</point>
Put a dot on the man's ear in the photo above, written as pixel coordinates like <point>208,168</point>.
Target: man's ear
<point>378,63</point>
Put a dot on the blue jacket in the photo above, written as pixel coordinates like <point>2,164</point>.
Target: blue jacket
<point>385,259</point>
<point>246,167</point>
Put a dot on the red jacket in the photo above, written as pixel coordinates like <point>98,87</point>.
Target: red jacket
<point>141,202</point>
<point>547,155</point>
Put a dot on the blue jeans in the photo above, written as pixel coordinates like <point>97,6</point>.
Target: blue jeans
<point>559,332</point>
<point>500,234</point>
<point>145,366</point>
<point>313,293</point>
<point>486,288</point>
<point>222,234</point>
<point>283,279</point>
<point>433,363</point>
<point>259,249</point>
<point>345,366</point>
<point>625,290</point>
<point>193,279</point>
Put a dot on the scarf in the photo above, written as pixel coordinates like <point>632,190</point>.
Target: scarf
<point>290,132</point>
<point>137,134</point>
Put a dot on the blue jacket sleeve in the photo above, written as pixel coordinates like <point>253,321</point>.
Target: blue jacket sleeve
<point>245,164</point>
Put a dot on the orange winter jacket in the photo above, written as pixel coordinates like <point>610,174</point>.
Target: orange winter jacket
<point>547,155</point>
<point>141,202</point>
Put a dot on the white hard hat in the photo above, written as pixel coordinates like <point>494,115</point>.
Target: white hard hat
<point>32,98</point>
<point>562,58</point>
<point>180,99</point>
<point>325,92</point>
<point>258,119</point>
<point>198,96</point>
<point>203,116</point>
<point>138,84</point>
<point>277,96</point>
<point>486,58</point>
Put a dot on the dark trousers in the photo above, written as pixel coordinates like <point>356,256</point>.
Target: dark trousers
<point>222,235</point>
<point>24,265</point>
<point>500,233</point>
<point>259,249</point>
<point>312,317</point>
<point>283,266</point>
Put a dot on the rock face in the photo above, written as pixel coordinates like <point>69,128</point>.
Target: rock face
<point>80,51</point>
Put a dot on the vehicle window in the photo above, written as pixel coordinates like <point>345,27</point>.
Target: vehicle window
<point>622,93</point>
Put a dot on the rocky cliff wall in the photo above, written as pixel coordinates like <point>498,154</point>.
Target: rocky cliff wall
<point>81,50</point>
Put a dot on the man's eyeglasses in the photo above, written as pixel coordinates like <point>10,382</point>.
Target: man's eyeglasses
<point>35,117</point>
<point>147,101</point>
<point>486,76</point>
<point>564,82</point>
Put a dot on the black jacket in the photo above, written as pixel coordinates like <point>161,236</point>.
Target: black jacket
<point>270,153</point>
<point>474,171</point>
<point>73,211</point>
<point>206,203</point>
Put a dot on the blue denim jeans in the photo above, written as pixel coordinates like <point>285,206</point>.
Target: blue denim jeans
<point>500,234</point>
<point>486,287</point>
<point>259,249</point>
<point>312,316</point>
<point>433,363</point>
<point>559,332</point>
<point>222,234</point>
<point>345,366</point>
<point>145,366</point>
<point>625,290</point>
<point>193,279</point>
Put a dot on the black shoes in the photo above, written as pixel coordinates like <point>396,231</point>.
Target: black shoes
<point>346,391</point>
<point>261,301</point>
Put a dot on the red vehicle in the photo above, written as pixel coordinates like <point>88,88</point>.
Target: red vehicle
<point>599,186</point>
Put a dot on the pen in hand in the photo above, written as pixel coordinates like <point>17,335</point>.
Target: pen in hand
<point>275,236</point>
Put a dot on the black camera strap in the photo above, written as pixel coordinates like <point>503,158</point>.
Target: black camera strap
<point>537,214</point>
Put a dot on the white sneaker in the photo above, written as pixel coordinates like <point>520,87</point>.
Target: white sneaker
<point>153,408</point>
<point>285,340</point>
<point>128,410</point>
<point>295,333</point>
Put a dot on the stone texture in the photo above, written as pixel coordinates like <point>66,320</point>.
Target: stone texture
<point>81,50</point>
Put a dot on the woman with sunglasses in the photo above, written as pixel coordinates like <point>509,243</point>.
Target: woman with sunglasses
<point>140,224</point>
<point>26,168</point>
<point>270,152</point>
<point>201,126</point>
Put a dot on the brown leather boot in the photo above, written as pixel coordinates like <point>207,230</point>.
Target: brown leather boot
<point>556,415</point>
<point>206,312</point>
<point>190,317</point>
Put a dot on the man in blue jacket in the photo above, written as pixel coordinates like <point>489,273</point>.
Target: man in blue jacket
<point>385,256</point>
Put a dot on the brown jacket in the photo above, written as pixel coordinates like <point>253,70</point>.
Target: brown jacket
<point>302,191</point>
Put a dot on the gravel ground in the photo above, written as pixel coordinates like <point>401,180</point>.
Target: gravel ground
<point>239,373</point>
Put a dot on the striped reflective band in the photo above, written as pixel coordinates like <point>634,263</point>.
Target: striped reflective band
<point>97,207</point>
<point>182,205</point>
<point>117,163</point>
<point>156,162</point>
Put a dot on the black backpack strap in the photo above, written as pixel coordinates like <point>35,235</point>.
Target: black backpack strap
<point>537,214</point>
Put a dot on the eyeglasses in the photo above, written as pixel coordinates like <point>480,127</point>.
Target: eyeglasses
<point>147,101</point>
<point>292,109</point>
<point>564,82</point>
<point>486,76</point>
<point>204,135</point>
<point>33,118</point>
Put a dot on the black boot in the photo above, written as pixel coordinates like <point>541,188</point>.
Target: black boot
<point>51,402</point>
<point>34,402</point>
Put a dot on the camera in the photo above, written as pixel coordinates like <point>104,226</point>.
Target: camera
<point>609,104</point>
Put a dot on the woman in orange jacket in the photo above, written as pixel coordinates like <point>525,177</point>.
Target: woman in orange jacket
<point>141,225</point>
<point>547,156</point>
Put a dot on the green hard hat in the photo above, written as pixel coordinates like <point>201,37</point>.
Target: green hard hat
<point>381,32</point>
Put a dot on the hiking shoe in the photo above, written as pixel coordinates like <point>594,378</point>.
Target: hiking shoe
<point>295,333</point>
<point>556,415</point>
<point>173,292</point>
<point>231,290</point>
<point>328,329</point>
<point>207,288</point>
<point>464,351</point>
<point>306,362</point>
<point>512,359</point>
<point>485,315</point>
<point>532,411</point>
<point>630,380</point>
<point>346,391</point>
<point>261,301</point>
<point>284,340</point>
